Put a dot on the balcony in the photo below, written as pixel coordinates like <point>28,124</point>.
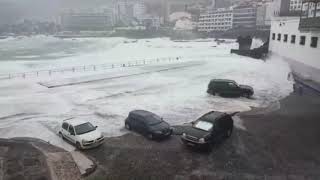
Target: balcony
<point>310,15</point>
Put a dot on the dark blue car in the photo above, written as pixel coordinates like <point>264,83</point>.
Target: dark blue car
<point>148,124</point>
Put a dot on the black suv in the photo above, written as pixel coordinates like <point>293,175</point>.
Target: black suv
<point>210,128</point>
<point>225,87</point>
<point>148,124</point>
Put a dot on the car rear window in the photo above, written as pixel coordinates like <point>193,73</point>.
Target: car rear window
<point>153,119</point>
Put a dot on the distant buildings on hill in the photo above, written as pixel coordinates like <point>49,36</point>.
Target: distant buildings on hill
<point>122,13</point>
<point>223,15</point>
<point>216,20</point>
<point>208,16</point>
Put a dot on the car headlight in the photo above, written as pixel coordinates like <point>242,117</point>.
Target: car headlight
<point>201,140</point>
<point>184,134</point>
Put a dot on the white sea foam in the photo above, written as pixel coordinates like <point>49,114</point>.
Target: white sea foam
<point>174,90</point>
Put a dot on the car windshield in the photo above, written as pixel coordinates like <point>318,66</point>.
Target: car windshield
<point>84,128</point>
<point>154,120</point>
<point>203,125</point>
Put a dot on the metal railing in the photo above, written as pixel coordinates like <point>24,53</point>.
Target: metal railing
<point>86,68</point>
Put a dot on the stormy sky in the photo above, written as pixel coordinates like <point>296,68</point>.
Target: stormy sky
<point>12,11</point>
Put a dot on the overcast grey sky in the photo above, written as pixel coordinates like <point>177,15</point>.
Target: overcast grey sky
<point>13,10</point>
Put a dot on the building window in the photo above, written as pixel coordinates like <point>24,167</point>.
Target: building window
<point>279,37</point>
<point>273,36</point>
<point>285,38</point>
<point>314,42</point>
<point>302,40</point>
<point>293,39</point>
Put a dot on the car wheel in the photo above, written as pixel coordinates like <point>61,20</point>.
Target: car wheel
<point>210,147</point>
<point>171,132</point>
<point>247,95</point>
<point>211,92</point>
<point>60,135</point>
<point>78,146</point>
<point>229,132</point>
<point>150,136</point>
<point>127,125</point>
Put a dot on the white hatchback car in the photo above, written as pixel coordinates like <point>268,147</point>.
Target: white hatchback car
<point>81,133</point>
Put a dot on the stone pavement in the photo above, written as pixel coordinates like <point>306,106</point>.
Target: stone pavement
<point>30,159</point>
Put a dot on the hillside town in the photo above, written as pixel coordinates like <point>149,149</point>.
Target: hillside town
<point>203,18</point>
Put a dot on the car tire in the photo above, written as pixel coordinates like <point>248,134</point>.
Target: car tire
<point>229,132</point>
<point>78,146</point>
<point>61,135</point>
<point>127,125</point>
<point>247,95</point>
<point>211,92</point>
<point>150,136</point>
<point>210,147</point>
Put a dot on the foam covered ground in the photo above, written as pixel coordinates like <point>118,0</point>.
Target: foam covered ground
<point>175,90</point>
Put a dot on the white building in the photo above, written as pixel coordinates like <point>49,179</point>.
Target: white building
<point>297,41</point>
<point>179,15</point>
<point>184,24</point>
<point>216,20</point>
<point>129,11</point>
<point>139,9</point>
<point>295,5</point>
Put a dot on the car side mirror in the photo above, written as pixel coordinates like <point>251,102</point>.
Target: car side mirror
<point>193,122</point>
<point>72,133</point>
<point>96,127</point>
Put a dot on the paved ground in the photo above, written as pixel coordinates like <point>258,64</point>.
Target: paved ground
<point>291,133</point>
<point>278,144</point>
<point>30,159</point>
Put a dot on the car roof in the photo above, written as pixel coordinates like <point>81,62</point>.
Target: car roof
<point>75,122</point>
<point>148,117</point>
<point>212,116</point>
<point>222,80</point>
<point>142,113</point>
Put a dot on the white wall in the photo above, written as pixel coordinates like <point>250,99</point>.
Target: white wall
<point>303,54</point>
